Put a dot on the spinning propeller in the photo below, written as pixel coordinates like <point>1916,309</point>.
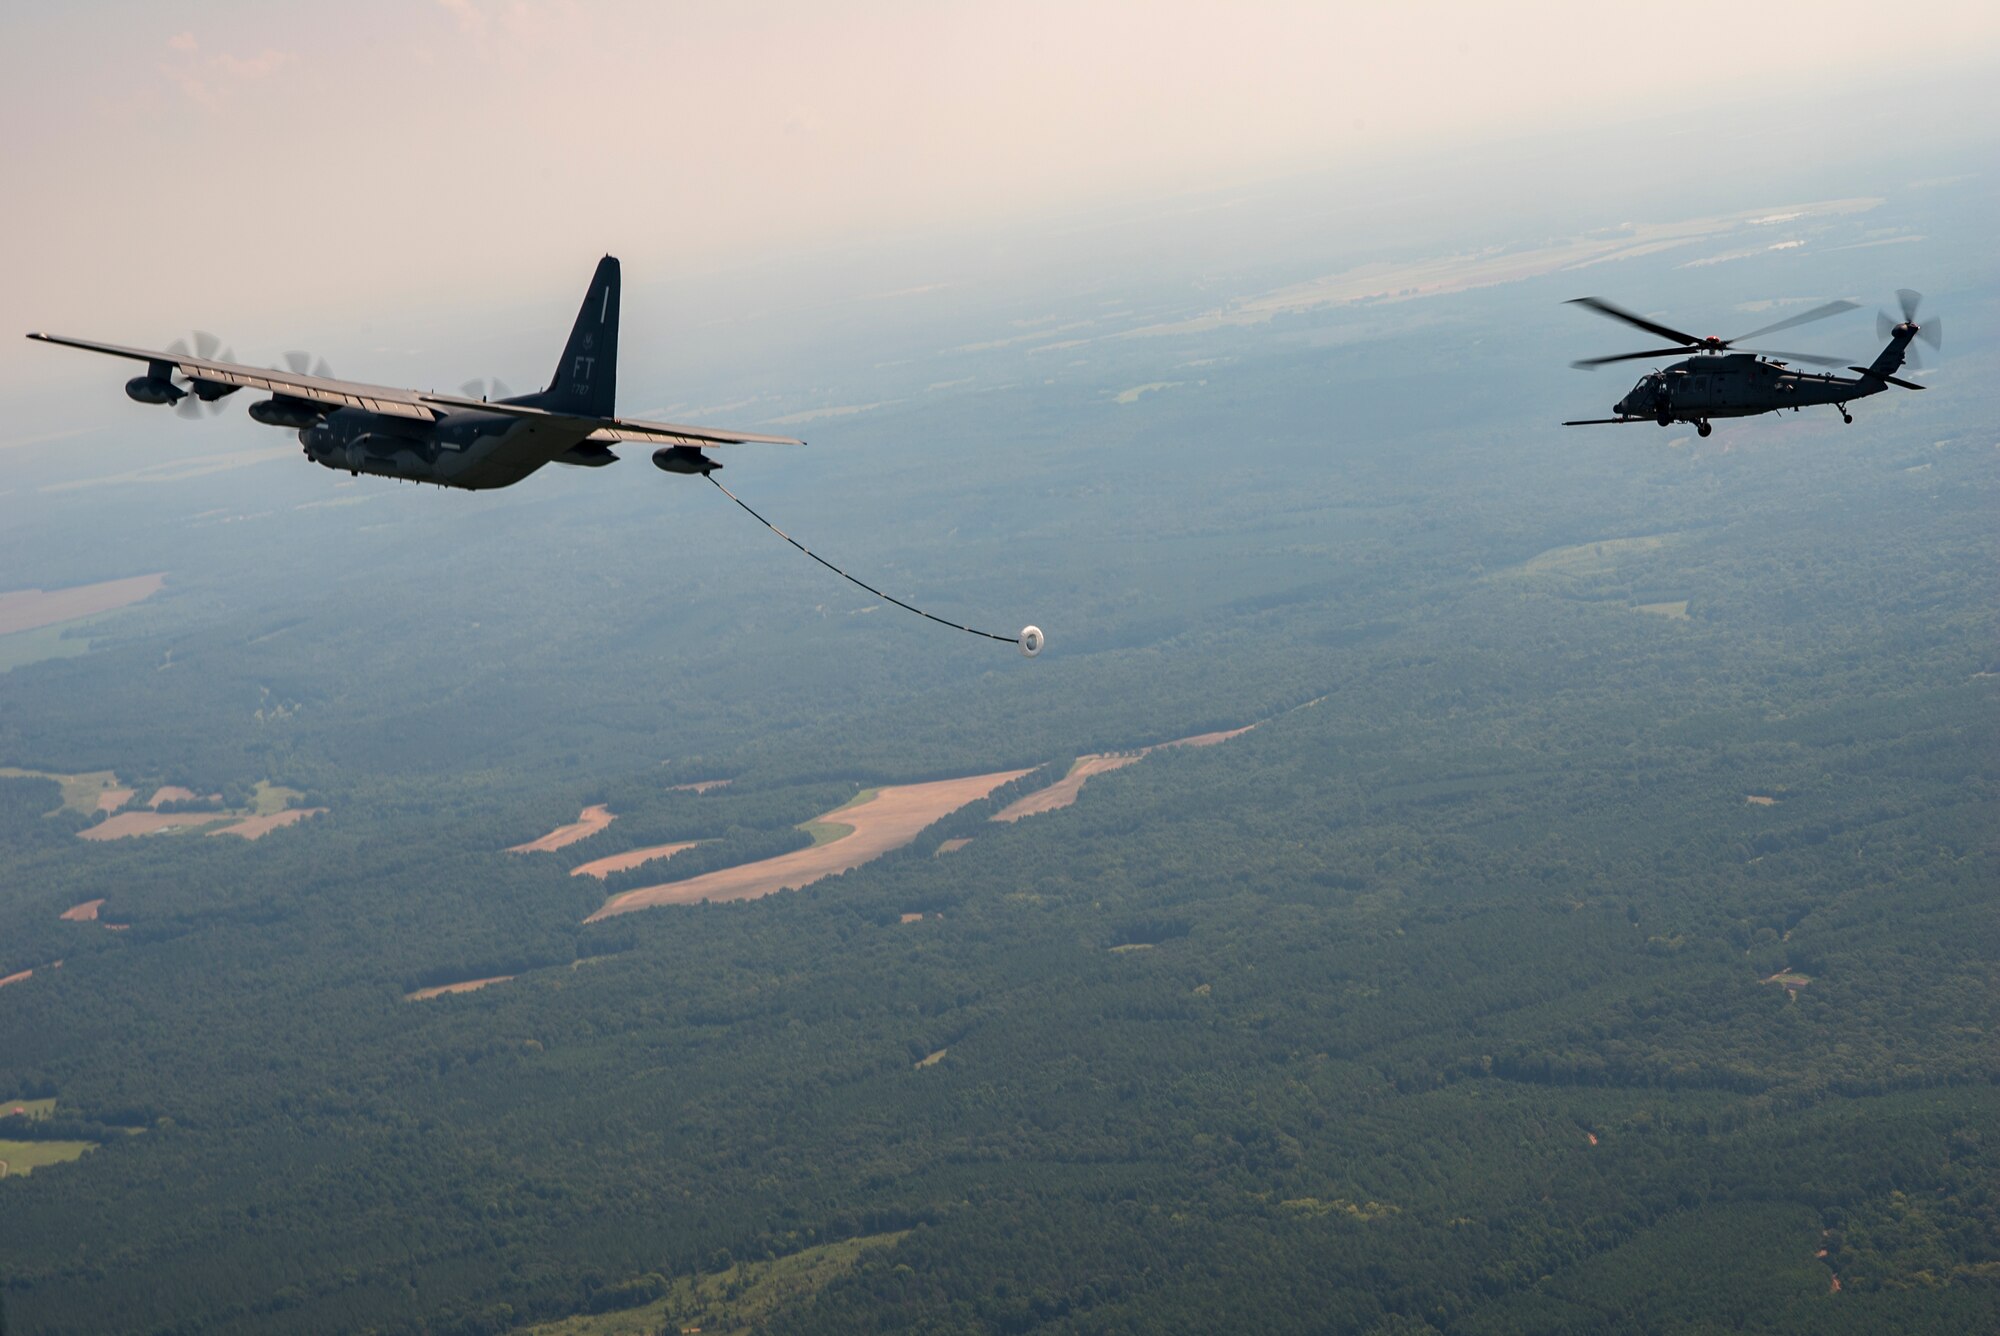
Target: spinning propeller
<point>305,364</point>
<point>1931,331</point>
<point>1688,343</point>
<point>486,387</point>
<point>202,398</point>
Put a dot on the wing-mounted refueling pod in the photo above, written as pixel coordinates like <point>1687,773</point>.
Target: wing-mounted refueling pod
<point>684,459</point>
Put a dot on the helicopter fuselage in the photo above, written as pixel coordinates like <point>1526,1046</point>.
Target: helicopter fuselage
<point>1727,385</point>
<point>1735,385</point>
<point>1722,381</point>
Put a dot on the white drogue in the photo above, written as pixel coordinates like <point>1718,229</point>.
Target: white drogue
<point>1031,641</point>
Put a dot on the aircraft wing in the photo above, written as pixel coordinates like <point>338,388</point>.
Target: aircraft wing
<point>314,389</point>
<point>606,430</point>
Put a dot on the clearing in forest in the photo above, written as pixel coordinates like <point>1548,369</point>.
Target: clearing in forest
<point>825,830</point>
<point>1137,392</point>
<point>24,1157</point>
<point>588,823</point>
<point>125,824</point>
<point>1676,611</point>
<point>951,846</point>
<point>1597,558</point>
<point>267,798</point>
<point>601,868</point>
<point>83,913</point>
<point>28,609</point>
<point>1065,790</point>
<point>741,1299</point>
<point>698,786</point>
<point>100,791</point>
<point>1759,800</point>
<point>889,819</point>
<point>462,986</point>
<point>257,827</point>
<point>84,793</point>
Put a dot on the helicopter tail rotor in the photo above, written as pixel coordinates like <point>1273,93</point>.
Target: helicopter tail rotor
<point>1930,331</point>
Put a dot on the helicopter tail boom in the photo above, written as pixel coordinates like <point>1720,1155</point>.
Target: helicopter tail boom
<point>1870,373</point>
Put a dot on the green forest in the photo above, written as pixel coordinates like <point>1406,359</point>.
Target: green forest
<point>1594,933</point>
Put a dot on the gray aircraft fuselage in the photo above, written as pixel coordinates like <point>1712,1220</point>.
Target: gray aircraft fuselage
<point>450,440</point>
<point>463,448</point>
<point>469,448</point>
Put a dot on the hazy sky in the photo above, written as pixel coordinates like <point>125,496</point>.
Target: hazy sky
<point>169,165</point>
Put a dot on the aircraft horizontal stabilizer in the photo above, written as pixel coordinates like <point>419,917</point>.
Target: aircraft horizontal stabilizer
<point>1893,380</point>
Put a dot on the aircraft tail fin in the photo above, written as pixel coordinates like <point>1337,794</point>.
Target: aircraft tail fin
<point>586,380</point>
<point>1890,361</point>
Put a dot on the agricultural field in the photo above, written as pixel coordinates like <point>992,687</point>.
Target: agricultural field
<point>851,835</point>
<point>588,823</point>
<point>21,1158</point>
<point>1542,960</point>
<point>30,609</point>
<point>735,1301</point>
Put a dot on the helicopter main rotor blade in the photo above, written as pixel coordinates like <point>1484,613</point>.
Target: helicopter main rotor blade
<point>1802,318</point>
<point>1589,362</point>
<point>1813,359</point>
<point>1603,307</point>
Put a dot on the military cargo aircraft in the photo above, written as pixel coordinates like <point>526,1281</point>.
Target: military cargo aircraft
<point>1721,381</point>
<point>451,440</point>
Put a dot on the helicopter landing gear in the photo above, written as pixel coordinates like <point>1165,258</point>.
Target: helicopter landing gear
<point>1664,420</point>
<point>1845,416</point>
<point>1702,428</point>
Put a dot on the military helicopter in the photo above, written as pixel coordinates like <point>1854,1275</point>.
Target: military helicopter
<point>1722,381</point>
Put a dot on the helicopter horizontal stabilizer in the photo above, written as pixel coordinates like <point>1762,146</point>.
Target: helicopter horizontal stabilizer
<point>1893,380</point>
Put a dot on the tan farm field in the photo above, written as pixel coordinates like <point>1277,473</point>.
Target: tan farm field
<point>97,790</point>
<point>462,986</point>
<point>27,609</point>
<point>601,868</point>
<point>1065,790</point>
<point>124,824</point>
<point>588,823</point>
<point>888,820</point>
<point>257,827</point>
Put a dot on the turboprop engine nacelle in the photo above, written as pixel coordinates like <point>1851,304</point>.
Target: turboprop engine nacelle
<point>154,390</point>
<point>286,412</point>
<point>684,459</point>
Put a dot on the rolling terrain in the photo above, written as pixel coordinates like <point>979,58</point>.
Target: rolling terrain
<point>1609,946</point>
